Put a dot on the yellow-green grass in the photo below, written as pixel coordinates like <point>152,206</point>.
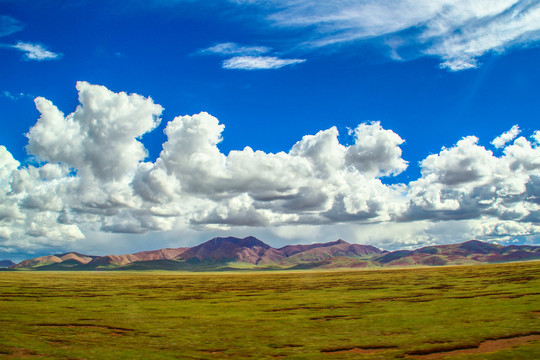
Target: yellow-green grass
<point>361,314</point>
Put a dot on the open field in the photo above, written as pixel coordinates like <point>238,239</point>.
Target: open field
<point>469,312</point>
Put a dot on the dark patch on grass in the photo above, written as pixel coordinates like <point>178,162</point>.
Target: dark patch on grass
<point>405,299</point>
<point>328,317</point>
<point>366,288</point>
<point>442,349</point>
<point>213,351</point>
<point>359,302</point>
<point>441,287</point>
<point>57,341</point>
<point>188,298</point>
<point>487,345</point>
<point>515,296</point>
<point>284,346</point>
<point>308,308</point>
<point>478,295</point>
<point>357,349</point>
<point>17,352</point>
<point>415,300</point>
<point>92,326</point>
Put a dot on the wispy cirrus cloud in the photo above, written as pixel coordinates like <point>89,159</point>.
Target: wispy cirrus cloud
<point>15,96</point>
<point>9,25</point>
<point>258,62</point>
<point>456,31</point>
<point>35,51</point>
<point>248,57</point>
<point>230,48</point>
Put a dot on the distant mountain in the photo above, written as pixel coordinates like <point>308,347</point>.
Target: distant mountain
<point>248,250</point>
<point>229,253</point>
<point>299,254</point>
<point>470,252</point>
<point>6,263</point>
<point>77,261</point>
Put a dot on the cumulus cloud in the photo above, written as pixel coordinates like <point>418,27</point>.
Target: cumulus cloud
<point>258,62</point>
<point>100,138</point>
<point>376,151</point>
<point>506,137</point>
<point>468,182</point>
<point>35,51</point>
<point>92,176</point>
<point>456,31</point>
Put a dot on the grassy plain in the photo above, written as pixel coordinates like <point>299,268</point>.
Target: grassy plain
<point>468,312</point>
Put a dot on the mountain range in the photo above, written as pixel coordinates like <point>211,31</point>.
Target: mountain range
<point>6,263</point>
<point>230,253</point>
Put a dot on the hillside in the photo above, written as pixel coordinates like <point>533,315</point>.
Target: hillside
<point>229,253</point>
<point>6,263</point>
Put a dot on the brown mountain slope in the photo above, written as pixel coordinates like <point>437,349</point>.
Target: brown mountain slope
<point>230,249</point>
<point>469,252</point>
<point>121,260</point>
<point>36,262</point>
<point>160,254</point>
<point>6,263</point>
<point>118,260</point>
<point>318,252</point>
<point>83,259</point>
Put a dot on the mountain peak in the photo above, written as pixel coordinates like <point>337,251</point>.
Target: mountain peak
<point>480,247</point>
<point>6,263</point>
<point>249,241</point>
<point>223,249</point>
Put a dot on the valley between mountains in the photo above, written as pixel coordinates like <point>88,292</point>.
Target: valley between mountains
<point>230,253</point>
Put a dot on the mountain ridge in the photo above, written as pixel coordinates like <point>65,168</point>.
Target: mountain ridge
<point>222,253</point>
<point>6,263</point>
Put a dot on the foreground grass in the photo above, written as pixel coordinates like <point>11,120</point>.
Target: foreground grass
<point>411,313</point>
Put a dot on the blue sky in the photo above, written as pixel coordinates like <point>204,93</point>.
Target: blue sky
<point>368,120</point>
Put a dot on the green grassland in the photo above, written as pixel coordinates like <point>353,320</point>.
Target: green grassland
<point>488,311</point>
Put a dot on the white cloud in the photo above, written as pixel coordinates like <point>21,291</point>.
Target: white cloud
<point>7,165</point>
<point>235,49</point>
<point>376,151</point>
<point>482,29</point>
<point>248,57</point>
<point>93,178</point>
<point>35,51</point>
<point>15,96</point>
<point>505,138</point>
<point>469,182</point>
<point>536,137</point>
<point>100,137</point>
<point>456,31</point>
<point>459,63</point>
<point>9,25</point>
<point>466,163</point>
<point>258,62</point>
